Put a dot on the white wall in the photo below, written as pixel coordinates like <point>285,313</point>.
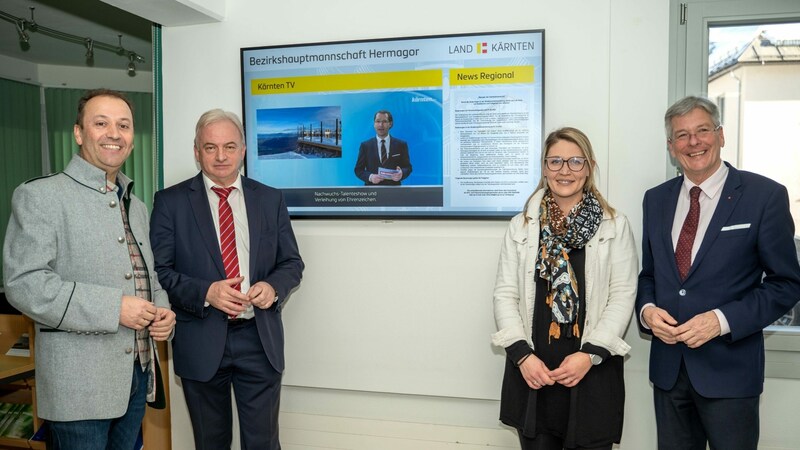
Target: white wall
<point>606,65</point>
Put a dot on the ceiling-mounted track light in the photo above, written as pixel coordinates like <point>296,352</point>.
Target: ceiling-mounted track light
<point>23,35</point>
<point>25,26</point>
<point>89,51</point>
<point>131,65</point>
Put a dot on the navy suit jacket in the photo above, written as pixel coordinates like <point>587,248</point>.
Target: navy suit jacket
<point>188,260</point>
<point>369,161</point>
<point>746,266</point>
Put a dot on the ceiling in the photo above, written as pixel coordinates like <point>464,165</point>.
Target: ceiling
<point>85,18</point>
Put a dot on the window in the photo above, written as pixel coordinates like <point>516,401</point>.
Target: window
<point>745,56</point>
<point>757,66</point>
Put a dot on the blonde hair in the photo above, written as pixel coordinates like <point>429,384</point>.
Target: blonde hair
<point>580,139</point>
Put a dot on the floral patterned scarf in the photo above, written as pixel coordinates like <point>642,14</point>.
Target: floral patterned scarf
<point>557,236</point>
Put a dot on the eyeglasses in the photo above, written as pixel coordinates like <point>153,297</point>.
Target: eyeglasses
<point>702,133</point>
<point>575,164</point>
<point>213,149</point>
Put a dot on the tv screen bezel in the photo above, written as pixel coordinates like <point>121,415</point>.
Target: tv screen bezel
<point>350,213</point>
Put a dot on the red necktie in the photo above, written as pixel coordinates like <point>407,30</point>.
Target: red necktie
<point>384,153</point>
<point>227,235</point>
<point>683,251</point>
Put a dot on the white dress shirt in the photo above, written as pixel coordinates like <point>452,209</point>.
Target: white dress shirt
<point>709,198</point>
<point>236,201</point>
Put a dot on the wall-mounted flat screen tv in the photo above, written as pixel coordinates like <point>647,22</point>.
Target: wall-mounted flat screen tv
<point>415,127</point>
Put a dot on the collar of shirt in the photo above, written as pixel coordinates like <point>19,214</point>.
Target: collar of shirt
<point>712,191</point>
<point>388,140</point>
<point>209,184</point>
<point>711,186</point>
<point>115,187</point>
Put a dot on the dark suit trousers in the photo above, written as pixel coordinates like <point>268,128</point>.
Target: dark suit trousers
<point>257,387</point>
<point>686,420</point>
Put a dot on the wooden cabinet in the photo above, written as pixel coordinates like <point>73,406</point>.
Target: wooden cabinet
<point>17,382</point>
<point>18,385</point>
<point>156,425</point>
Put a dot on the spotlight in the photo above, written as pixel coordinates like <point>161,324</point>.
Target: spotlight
<point>120,48</point>
<point>23,36</point>
<point>89,51</point>
<point>131,66</point>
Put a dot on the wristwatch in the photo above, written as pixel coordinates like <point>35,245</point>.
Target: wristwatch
<point>596,359</point>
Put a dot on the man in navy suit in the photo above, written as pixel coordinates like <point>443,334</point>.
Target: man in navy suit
<point>229,330</point>
<point>383,160</point>
<point>707,351</point>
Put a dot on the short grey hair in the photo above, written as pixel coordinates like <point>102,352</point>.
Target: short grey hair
<point>217,115</point>
<point>685,106</point>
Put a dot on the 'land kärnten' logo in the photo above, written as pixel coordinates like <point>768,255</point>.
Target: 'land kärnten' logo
<point>483,48</point>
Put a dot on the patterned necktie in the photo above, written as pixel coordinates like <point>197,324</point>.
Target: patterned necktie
<point>384,153</point>
<point>227,235</point>
<point>683,251</point>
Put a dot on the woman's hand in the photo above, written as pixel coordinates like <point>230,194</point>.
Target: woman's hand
<point>572,369</point>
<point>535,372</point>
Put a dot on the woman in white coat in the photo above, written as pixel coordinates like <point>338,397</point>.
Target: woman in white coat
<point>565,290</point>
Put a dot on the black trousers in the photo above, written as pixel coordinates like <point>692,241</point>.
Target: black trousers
<point>256,385</point>
<point>549,442</point>
<point>687,421</point>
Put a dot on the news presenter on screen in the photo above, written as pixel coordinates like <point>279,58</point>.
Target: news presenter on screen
<point>563,297</point>
<point>383,152</point>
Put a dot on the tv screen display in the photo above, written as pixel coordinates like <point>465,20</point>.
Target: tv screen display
<point>422,127</point>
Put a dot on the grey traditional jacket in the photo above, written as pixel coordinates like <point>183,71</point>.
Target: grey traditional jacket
<point>66,265</point>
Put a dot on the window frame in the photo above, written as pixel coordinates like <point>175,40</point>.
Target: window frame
<point>688,53</point>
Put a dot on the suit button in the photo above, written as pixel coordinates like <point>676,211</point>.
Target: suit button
<point>682,292</point>
<point>112,204</point>
<point>78,332</point>
<point>129,350</point>
<point>128,276</point>
<point>121,239</point>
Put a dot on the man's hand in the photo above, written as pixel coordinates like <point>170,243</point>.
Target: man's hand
<point>398,175</point>
<point>661,323</point>
<point>535,372</point>
<point>136,312</point>
<point>224,297</point>
<point>374,178</point>
<point>161,327</point>
<point>699,329</point>
<point>261,295</point>
<point>572,369</point>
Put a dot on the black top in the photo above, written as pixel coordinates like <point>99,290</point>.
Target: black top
<point>587,415</point>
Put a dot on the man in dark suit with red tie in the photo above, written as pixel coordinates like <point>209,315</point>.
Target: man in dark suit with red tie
<point>383,160</point>
<point>718,266</point>
<point>227,256</point>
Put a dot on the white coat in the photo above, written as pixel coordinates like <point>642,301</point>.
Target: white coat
<point>610,281</point>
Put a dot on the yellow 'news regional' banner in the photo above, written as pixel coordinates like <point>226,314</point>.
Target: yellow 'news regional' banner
<point>491,75</point>
<point>348,82</point>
